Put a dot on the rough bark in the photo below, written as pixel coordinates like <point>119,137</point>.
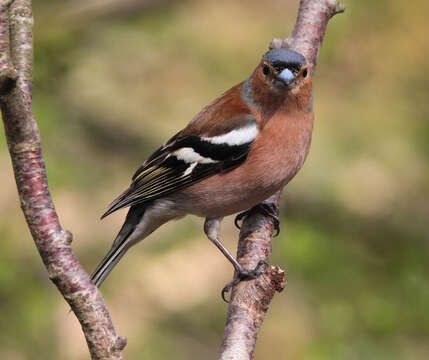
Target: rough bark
<point>250,299</point>
<point>52,242</point>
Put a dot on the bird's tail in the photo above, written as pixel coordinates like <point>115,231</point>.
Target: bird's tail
<point>120,245</point>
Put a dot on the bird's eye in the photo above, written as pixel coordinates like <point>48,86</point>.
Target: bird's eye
<point>266,70</point>
<point>304,73</point>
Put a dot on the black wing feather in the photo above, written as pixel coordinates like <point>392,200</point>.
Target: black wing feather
<point>164,173</point>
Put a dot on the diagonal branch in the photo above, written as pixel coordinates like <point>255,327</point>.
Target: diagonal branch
<point>52,242</point>
<point>250,299</point>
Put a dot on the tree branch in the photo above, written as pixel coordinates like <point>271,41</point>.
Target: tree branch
<point>53,243</point>
<point>250,299</point>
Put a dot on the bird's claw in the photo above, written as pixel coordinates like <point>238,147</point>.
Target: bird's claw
<point>272,211</point>
<point>245,275</point>
<point>268,209</point>
<point>240,217</point>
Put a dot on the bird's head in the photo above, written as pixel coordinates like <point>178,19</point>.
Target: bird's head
<point>283,70</point>
<point>282,78</point>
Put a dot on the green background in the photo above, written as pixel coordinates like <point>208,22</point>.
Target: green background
<point>112,82</point>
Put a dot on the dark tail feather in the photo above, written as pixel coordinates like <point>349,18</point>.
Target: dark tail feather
<point>120,245</point>
<point>109,261</point>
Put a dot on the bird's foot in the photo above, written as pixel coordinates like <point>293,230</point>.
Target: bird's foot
<point>242,274</point>
<point>268,209</point>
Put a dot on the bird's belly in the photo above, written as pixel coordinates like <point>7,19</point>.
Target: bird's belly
<point>226,194</point>
<point>230,198</point>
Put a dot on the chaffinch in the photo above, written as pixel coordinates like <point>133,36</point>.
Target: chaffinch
<point>236,152</point>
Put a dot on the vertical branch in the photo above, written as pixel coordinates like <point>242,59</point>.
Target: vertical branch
<point>250,299</point>
<point>52,242</point>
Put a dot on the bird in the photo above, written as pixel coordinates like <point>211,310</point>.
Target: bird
<point>236,152</point>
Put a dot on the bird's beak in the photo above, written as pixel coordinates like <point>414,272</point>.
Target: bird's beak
<point>285,79</point>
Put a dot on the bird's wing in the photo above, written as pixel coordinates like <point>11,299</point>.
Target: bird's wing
<point>188,158</point>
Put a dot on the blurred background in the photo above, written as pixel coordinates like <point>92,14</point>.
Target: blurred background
<point>114,79</point>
